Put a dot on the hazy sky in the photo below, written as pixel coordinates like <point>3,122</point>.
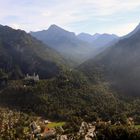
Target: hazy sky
<point>90,16</point>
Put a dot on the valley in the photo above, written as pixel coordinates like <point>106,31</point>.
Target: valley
<point>47,93</point>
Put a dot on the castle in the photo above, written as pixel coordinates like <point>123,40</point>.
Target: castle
<point>34,77</point>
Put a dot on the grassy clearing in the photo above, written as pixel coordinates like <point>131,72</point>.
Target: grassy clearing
<point>137,126</point>
<point>55,124</point>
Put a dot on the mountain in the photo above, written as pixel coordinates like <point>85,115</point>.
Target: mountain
<point>104,40</point>
<point>119,65</point>
<point>76,48</point>
<point>87,37</point>
<point>20,53</point>
<point>64,42</point>
<point>98,40</point>
<point>54,35</point>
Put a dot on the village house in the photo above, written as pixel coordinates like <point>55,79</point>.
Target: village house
<point>48,132</point>
<point>62,137</point>
<point>130,121</point>
<point>35,129</point>
<point>47,121</point>
<point>87,130</point>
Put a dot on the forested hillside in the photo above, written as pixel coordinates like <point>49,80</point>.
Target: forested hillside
<point>119,65</point>
<point>21,54</point>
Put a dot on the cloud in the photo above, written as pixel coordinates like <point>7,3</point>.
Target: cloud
<point>123,29</point>
<point>37,15</point>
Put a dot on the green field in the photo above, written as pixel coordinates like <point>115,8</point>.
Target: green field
<point>137,126</point>
<point>55,124</point>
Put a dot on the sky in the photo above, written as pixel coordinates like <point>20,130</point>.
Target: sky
<point>90,16</point>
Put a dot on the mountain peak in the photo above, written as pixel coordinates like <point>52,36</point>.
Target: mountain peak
<point>56,30</point>
<point>109,35</point>
<point>96,34</point>
<point>54,27</point>
<point>83,34</point>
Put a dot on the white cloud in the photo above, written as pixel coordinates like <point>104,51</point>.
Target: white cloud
<point>123,29</point>
<point>15,26</point>
<point>73,11</point>
<point>36,14</point>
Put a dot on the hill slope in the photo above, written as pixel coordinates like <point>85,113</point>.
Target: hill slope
<point>119,65</point>
<point>65,97</point>
<point>20,53</point>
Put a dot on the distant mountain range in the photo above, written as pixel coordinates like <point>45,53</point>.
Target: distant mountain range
<point>98,40</point>
<point>87,37</point>
<point>20,53</point>
<point>119,65</point>
<point>76,48</point>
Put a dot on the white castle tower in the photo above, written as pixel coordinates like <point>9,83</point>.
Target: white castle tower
<point>32,77</point>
